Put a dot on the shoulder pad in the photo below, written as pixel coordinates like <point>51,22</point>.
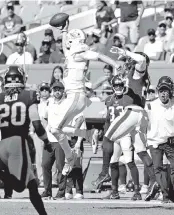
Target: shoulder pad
<point>78,48</point>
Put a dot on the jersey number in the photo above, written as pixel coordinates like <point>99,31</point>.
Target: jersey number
<point>119,109</point>
<point>17,112</point>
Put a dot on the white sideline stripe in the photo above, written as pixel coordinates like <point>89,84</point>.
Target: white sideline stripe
<point>147,12</point>
<point>91,201</point>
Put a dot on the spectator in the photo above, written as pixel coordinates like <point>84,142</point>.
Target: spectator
<point>104,19</point>
<point>12,23</point>
<point>161,33</point>
<point>76,175</point>
<point>50,37</point>
<point>57,56</point>
<point>160,135</point>
<point>28,46</point>
<point>57,155</point>
<point>169,22</point>
<point>130,19</point>
<point>151,94</point>
<point>104,81</point>
<point>46,52</point>
<point>169,7</point>
<point>44,94</point>
<point>153,48</point>
<point>57,75</point>
<point>21,56</point>
<point>95,44</point>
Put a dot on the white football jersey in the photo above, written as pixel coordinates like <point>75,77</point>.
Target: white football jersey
<point>75,67</point>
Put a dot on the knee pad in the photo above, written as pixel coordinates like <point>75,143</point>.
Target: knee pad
<point>144,156</point>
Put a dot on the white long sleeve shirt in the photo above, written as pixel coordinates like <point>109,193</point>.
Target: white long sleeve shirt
<point>161,122</point>
<point>18,59</point>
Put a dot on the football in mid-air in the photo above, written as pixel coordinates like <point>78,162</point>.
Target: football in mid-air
<point>59,20</point>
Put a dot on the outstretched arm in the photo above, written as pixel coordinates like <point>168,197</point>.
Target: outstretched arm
<point>64,34</point>
<point>140,60</point>
<point>95,56</point>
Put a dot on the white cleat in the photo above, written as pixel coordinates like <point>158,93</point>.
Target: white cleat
<point>68,196</point>
<point>79,196</point>
<point>122,188</point>
<point>144,189</point>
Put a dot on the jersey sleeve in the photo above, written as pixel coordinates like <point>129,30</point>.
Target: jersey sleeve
<point>33,107</point>
<point>33,113</point>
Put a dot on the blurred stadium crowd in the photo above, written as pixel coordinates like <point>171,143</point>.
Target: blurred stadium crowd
<point>109,32</point>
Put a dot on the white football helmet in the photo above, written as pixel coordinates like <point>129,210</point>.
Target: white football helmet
<point>75,36</point>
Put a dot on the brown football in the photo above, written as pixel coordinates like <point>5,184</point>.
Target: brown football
<point>59,19</point>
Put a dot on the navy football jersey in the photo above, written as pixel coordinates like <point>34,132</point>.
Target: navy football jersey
<point>136,90</point>
<point>114,108</point>
<point>14,113</point>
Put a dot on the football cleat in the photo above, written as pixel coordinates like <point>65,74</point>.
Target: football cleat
<point>153,189</point>
<point>112,195</point>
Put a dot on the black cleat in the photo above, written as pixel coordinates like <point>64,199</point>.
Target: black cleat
<point>101,178</point>
<point>112,195</point>
<point>7,197</point>
<point>153,190</point>
<point>136,196</point>
<point>46,194</point>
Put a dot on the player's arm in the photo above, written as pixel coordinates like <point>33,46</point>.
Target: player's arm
<point>95,56</point>
<point>39,129</point>
<point>107,121</point>
<point>64,34</point>
<point>140,60</point>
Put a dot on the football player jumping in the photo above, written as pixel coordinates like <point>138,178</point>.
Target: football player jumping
<point>133,119</point>
<point>18,107</point>
<point>77,55</point>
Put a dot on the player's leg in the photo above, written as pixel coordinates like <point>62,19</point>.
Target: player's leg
<point>123,124</point>
<point>122,175</point>
<point>128,153</point>
<point>19,163</point>
<point>34,195</point>
<point>120,127</point>
<point>114,165</point>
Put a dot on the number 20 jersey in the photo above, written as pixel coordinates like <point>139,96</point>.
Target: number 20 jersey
<point>14,113</point>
